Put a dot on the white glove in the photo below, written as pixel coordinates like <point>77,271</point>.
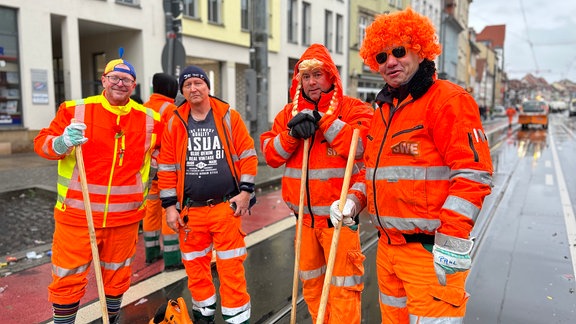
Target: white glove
<point>73,135</point>
<point>451,254</point>
<point>346,215</point>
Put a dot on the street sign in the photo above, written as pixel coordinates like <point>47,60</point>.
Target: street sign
<point>173,57</point>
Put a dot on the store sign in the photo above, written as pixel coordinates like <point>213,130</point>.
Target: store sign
<point>39,86</point>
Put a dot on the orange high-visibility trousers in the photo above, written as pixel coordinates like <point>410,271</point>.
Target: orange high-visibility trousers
<point>155,229</point>
<point>344,299</point>
<point>409,291</point>
<point>71,262</point>
<point>215,228</point>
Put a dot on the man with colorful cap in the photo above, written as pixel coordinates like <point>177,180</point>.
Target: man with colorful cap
<point>428,170</point>
<point>320,112</point>
<point>165,89</point>
<point>206,172</point>
<point>118,137</point>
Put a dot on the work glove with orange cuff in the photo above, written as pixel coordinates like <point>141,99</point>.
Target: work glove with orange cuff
<point>346,215</point>
<point>304,124</point>
<point>451,255</point>
<point>73,135</point>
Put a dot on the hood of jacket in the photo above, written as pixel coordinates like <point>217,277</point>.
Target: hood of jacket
<point>319,52</point>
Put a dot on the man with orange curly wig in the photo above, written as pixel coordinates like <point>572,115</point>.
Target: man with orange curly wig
<point>428,170</point>
<point>321,113</point>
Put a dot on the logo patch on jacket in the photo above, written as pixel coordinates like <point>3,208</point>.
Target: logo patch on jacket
<point>407,148</point>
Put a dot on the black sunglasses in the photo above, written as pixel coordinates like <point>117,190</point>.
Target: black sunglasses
<point>397,52</point>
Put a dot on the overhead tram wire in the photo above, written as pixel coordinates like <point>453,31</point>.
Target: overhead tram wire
<point>528,34</point>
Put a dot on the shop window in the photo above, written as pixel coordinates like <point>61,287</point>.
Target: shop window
<point>10,95</point>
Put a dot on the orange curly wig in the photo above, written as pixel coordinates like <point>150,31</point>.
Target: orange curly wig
<point>406,27</point>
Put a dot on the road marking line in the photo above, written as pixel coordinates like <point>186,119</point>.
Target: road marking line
<point>566,206</point>
<point>549,179</point>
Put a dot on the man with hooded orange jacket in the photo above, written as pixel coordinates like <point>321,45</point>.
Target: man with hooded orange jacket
<point>428,170</point>
<point>118,137</point>
<point>321,113</point>
<point>206,172</point>
<point>165,89</point>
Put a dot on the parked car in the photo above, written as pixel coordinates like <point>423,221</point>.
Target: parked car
<point>572,108</point>
<point>558,106</point>
<point>498,111</point>
<point>533,112</point>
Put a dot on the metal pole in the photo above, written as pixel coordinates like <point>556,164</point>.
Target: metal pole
<point>259,41</point>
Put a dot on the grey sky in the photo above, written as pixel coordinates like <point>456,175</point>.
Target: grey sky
<point>550,26</point>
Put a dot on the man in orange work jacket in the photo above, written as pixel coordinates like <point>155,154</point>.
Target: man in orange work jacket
<point>206,173</point>
<point>118,137</point>
<point>321,113</point>
<point>428,170</point>
<point>165,89</point>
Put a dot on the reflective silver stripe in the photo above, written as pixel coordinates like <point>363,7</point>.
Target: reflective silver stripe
<point>210,301</point>
<point>332,131</point>
<point>279,148</point>
<point>398,302</point>
<point>396,173</point>
<point>116,265</point>
<point>147,234</point>
<point>359,149</point>
<point>359,186</point>
<point>103,190</point>
<point>167,193</point>
<point>248,153</point>
<point>63,272</point>
<point>171,248</point>
<point>264,144</point>
<point>317,210</point>
<point>247,178</point>
<point>346,281</point>
<point>461,206</point>
<point>406,224</point>
<point>170,237</point>
<point>472,175</point>
<point>312,274</point>
<point>150,244</point>
<point>318,174</point>
<point>238,314</point>
<point>164,106</point>
<point>102,207</point>
<point>415,319</point>
<point>231,254</point>
<point>79,110</point>
<point>168,167</point>
<point>189,256</point>
<point>355,200</point>
<point>153,197</point>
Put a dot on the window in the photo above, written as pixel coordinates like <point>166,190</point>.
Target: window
<point>215,11</point>
<point>363,22</point>
<point>10,101</point>
<point>244,15</point>
<point>191,8</point>
<point>306,23</point>
<point>339,33</point>
<point>292,21</point>
<point>328,30</point>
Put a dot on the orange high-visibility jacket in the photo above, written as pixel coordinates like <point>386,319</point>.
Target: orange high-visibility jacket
<point>428,165</point>
<point>238,147</point>
<point>117,157</point>
<point>328,151</point>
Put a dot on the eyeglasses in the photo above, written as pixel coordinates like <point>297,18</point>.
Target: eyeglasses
<point>397,52</point>
<point>115,80</point>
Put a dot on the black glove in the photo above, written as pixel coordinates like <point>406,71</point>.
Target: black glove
<point>303,125</point>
